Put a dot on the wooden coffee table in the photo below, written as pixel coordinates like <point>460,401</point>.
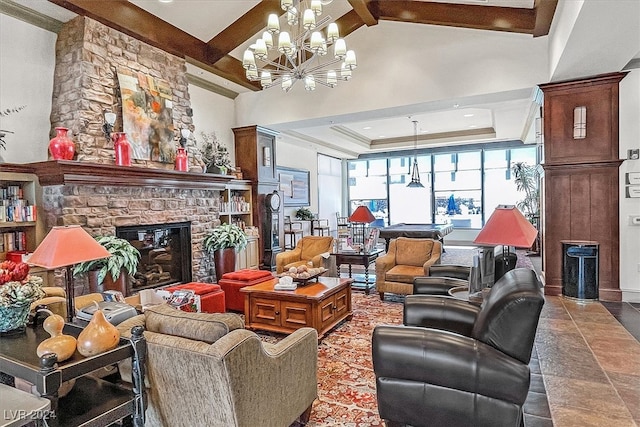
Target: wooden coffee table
<point>320,305</point>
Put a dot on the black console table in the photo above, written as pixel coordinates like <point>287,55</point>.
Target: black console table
<point>91,401</point>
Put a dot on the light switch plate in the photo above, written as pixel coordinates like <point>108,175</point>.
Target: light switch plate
<point>633,154</point>
<point>633,191</point>
<point>633,178</point>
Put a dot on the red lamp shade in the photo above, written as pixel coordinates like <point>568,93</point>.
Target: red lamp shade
<point>507,226</point>
<point>362,214</point>
<point>64,247</point>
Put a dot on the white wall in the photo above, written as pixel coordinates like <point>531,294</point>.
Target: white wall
<point>213,113</point>
<point>299,155</point>
<point>449,63</point>
<point>629,234</point>
<point>27,62</point>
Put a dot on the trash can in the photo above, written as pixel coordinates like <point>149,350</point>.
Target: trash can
<point>580,270</point>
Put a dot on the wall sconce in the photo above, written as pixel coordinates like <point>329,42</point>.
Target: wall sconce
<point>580,122</point>
<point>109,121</point>
<point>184,134</point>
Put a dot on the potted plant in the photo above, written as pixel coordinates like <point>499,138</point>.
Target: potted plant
<point>526,180</point>
<point>304,214</point>
<point>223,241</point>
<point>107,273</point>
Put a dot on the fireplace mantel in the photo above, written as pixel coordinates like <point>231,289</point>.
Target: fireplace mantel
<point>61,172</point>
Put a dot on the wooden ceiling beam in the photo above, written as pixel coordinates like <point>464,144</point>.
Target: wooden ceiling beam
<point>142,25</point>
<point>243,28</point>
<point>545,9</point>
<point>511,19</point>
<point>362,9</point>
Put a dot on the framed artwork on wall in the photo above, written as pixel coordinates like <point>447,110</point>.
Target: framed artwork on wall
<point>147,116</point>
<point>294,185</point>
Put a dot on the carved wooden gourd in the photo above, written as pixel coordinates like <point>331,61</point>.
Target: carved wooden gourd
<point>98,336</point>
<point>62,345</point>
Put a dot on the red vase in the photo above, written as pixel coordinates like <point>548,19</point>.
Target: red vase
<point>61,146</point>
<point>122,149</point>
<point>182,161</point>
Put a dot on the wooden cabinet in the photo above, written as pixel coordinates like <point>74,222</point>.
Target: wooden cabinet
<point>320,305</point>
<point>248,258</point>
<point>334,309</point>
<point>255,149</point>
<point>19,226</point>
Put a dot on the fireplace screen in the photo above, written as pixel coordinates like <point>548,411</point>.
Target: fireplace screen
<point>165,251</point>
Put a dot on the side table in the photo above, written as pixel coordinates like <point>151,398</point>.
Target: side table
<point>359,258</point>
<point>91,401</point>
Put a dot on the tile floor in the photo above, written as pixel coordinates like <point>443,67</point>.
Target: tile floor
<point>589,362</point>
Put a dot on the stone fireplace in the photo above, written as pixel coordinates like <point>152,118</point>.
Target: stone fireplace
<point>165,254</point>
<point>106,198</point>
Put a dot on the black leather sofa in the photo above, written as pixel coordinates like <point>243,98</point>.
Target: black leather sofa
<point>457,364</point>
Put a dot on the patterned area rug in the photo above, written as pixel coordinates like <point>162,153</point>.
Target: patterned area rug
<point>346,382</point>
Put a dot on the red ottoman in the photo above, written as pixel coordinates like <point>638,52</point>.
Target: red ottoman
<point>231,284</point>
<point>212,298</point>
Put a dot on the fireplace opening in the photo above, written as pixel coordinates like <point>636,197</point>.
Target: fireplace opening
<point>165,253</point>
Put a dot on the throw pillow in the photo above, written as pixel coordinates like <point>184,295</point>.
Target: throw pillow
<point>206,327</point>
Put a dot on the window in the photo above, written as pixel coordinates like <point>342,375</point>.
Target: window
<point>461,187</point>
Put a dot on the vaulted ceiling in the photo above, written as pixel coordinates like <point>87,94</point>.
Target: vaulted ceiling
<point>173,27</point>
<point>213,34</point>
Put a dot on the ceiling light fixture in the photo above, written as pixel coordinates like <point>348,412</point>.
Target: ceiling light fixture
<point>415,173</point>
<point>303,50</point>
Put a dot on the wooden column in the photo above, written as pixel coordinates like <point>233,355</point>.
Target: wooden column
<point>581,177</point>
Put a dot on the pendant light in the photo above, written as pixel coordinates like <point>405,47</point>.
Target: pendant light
<point>415,174</point>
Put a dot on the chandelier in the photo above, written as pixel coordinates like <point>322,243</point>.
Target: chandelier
<point>415,174</point>
<point>303,52</point>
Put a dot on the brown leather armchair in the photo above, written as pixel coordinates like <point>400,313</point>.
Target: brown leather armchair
<point>406,259</point>
<point>309,248</point>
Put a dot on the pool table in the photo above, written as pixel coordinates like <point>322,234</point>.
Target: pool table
<point>430,231</point>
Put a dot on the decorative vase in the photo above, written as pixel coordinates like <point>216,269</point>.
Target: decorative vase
<point>224,261</point>
<point>108,284</point>
<point>182,161</point>
<point>122,149</point>
<point>61,146</point>
<point>13,319</point>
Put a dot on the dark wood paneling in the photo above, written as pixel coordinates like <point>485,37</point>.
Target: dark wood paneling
<point>600,96</point>
<point>581,194</point>
<point>581,204</point>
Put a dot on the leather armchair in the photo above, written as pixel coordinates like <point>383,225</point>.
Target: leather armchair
<point>406,259</point>
<point>309,248</point>
<point>457,364</point>
<point>438,285</point>
<point>205,369</point>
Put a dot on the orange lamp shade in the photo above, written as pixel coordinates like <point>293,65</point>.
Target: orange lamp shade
<point>65,246</point>
<point>507,226</point>
<point>362,214</point>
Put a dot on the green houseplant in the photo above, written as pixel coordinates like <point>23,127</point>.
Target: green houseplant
<point>526,180</point>
<point>223,241</point>
<point>107,272</point>
<point>304,214</point>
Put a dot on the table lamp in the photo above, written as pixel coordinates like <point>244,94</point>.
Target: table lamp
<point>507,227</point>
<point>64,247</point>
<point>361,216</point>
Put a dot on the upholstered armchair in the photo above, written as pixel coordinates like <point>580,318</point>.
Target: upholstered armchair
<point>406,259</point>
<point>309,248</point>
<point>55,299</point>
<point>457,364</point>
<point>205,369</point>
